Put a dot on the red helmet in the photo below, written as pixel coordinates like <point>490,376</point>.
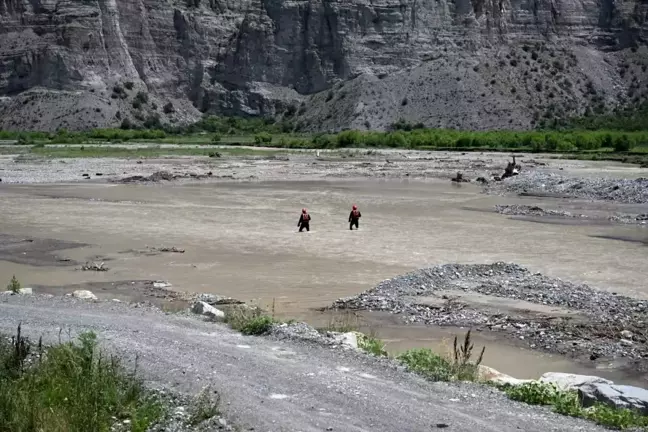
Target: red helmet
<point>355,207</point>
<point>303,210</point>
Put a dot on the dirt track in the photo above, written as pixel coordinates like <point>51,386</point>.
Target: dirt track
<point>280,386</point>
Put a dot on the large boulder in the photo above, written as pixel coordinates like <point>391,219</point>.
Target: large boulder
<point>567,381</point>
<point>202,308</point>
<point>84,295</point>
<point>618,396</point>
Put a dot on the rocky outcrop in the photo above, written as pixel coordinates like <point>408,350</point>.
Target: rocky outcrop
<point>320,63</point>
<point>617,396</point>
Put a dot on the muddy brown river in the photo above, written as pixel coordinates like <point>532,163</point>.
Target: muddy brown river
<point>241,240</point>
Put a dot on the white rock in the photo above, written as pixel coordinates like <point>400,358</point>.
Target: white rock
<point>626,334</point>
<point>202,308</point>
<point>626,342</point>
<point>161,284</point>
<point>349,339</point>
<point>84,294</point>
<point>567,381</point>
<point>23,291</point>
<point>489,374</point>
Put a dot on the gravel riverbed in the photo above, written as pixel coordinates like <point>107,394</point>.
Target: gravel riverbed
<point>571,319</point>
<point>633,191</point>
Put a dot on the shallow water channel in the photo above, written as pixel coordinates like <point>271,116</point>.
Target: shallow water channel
<point>241,241</point>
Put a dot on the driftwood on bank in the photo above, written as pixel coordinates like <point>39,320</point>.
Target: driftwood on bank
<point>512,169</point>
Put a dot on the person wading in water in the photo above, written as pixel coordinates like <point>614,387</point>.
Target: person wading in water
<point>304,220</point>
<point>354,217</point>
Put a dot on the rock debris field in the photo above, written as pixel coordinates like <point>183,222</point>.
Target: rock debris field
<point>631,191</point>
<point>545,313</point>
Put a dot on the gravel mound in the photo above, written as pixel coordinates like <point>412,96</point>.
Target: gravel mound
<point>630,218</point>
<point>526,210</point>
<point>606,189</point>
<point>594,331</point>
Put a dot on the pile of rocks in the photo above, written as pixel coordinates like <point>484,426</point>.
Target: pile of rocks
<point>603,324</point>
<point>526,210</point>
<point>607,189</point>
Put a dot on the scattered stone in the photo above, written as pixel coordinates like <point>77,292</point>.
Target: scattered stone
<point>551,184</point>
<point>626,342</point>
<point>618,396</point>
<point>626,334</point>
<point>99,174</point>
<point>161,284</point>
<point>171,249</point>
<point>202,308</point>
<point>84,295</point>
<point>567,381</point>
<point>214,299</point>
<point>93,266</point>
<point>482,180</point>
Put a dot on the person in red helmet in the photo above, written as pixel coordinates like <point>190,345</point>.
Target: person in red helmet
<point>354,217</point>
<point>304,221</point>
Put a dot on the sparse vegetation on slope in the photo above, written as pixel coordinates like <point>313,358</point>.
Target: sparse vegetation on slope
<point>71,387</point>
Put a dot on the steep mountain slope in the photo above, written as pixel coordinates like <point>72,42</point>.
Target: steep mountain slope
<point>328,64</point>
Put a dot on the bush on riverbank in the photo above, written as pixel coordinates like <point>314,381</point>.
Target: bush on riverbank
<point>71,387</point>
<point>402,135</point>
<point>249,320</point>
<point>568,403</point>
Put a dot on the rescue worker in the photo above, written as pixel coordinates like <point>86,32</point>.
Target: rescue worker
<point>354,217</point>
<point>304,220</point>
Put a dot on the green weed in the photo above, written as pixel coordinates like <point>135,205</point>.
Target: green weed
<point>457,367</point>
<point>249,320</point>
<point>371,345</point>
<point>14,285</point>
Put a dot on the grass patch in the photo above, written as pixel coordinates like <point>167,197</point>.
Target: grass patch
<point>371,344</point>
<point>344,322</point>
<point>457,366</point>
<point>72,387</point>
<point>249,320</point>
<point>568,403</point>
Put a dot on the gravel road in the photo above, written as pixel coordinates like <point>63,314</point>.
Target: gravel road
<point>273,385</point>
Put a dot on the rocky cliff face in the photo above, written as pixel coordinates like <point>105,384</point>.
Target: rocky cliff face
<point>323,64</point>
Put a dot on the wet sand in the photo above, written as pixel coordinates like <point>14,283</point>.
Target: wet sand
<point>241,241</point>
